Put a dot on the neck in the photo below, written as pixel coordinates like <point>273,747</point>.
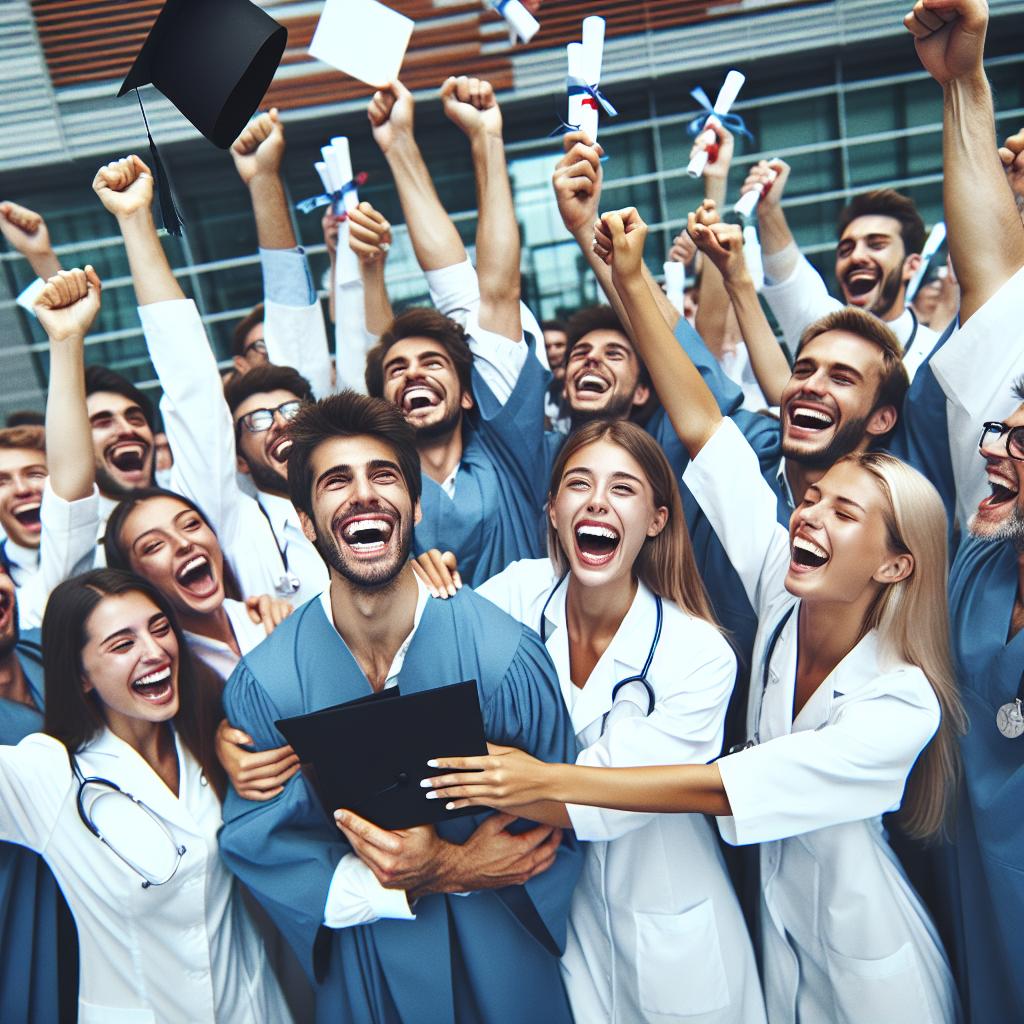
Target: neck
<point>828,631</point>
<point>151,740</point>
<point>374,623</point>
<point>598,611</point>
<point>896,310</point>
<point>439,456</point>
<point>13,684</point>
<point>279,490</point>
<point>213,625</point>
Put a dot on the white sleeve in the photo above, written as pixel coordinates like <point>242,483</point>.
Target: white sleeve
<point>356,897</point>
<point>853,768</point>
<point>352,340</point>
<point>296,336</point>
<point>34,776</point>
<point>196,417</point>
<point>686,727</point>
<point>976,368</point>
<point>726,481</point>
<point>67,546</point>
<point>454,290</point>
<point>798,301</point>
<point>497,359</point>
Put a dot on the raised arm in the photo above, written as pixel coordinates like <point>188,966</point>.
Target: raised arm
<point>257,154</point>
<point>777,242</point>
<point>722,244</point>
<point>434,237</point>
<point>986,237</point>
<point>26,232</point>
<point>369,237</point>
<point>66,309</point>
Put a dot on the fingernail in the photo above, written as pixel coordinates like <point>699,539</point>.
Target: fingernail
<point>450,806</point>
<point>432,763</point>
<point>432,795</point>
<point>341,817</point>
<point>451,591</point>
<point>427,783</point>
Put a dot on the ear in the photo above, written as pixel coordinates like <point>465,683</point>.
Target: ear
<point>641,395</point>
<point>241,465</point>
<point>417,514</point>
<point>241,366</point>
<point>551,513</point>
<point>466,401</point>
<point>658,522</point>
<point>911,265</point>
<point>307,526</point>
<point>882,420</point>
<point>897,568</point>
<point>87,686</point>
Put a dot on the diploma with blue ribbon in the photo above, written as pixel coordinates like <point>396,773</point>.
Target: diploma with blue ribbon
<point>585,98</point>
<point>521,22</point>
<point>717,113</point>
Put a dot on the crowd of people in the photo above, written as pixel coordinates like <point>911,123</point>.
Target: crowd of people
<point>743,614</point>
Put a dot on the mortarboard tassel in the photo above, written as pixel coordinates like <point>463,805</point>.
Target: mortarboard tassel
<point>169,215</point>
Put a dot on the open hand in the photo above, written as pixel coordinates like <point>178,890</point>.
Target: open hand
<point>68,305</point>
<point>439,572</point>
<point>504,777</point>
<point>470,103</point>
<point>259,150</point>
<point>125,187</point>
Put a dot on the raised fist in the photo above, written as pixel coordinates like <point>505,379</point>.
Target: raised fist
<point>619,239</point>
<point>470,103</point>
<point>721,243</point>
<point>1012,155</point>
<point>68,305</point>
<point>391,115</point>
<point>369,233</point>
<point>260,148</point>
<point>24,229</point>
<point>949,36</point>
<point>761,174</point>
<point>125,187</point>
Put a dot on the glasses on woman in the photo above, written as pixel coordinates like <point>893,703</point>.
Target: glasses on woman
<point>260,420</point>
<point>994,429</point>
<point>131,830</point>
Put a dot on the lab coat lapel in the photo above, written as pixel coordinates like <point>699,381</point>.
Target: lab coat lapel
<point>557,642</point>
<point>776,717</point>
<point>859,666</point>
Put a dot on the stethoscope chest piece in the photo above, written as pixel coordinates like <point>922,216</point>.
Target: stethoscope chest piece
<point>1010,719</point>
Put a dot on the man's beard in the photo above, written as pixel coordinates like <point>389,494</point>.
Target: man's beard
<point>111,488</point>
<point>366,577</point>
<point>845,440</point>
<point>266,479</point>
<point>10,641</point>
<point>618,407</point>
<point>891,285</point>
<point>443,428</point>
<point>1011,529</point>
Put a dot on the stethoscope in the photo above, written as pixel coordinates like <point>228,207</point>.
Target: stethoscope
<point>641,677</point>
<point>287,583</point>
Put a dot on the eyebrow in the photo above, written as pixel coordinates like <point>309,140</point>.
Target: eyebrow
<point>371,466</point>
<point>844,367</point>
<point>420,356</point>
<point>618,475</point>
<point>127,411</point>
<point>129,631</point>
<point>840,500</point>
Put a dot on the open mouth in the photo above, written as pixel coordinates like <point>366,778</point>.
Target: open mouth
<point>280,448</point>
<point>128,457</point>
<point>1001,491</point>
<point>806,417</point>
<point>860,282</point>
<point>596,543</point>
<point>808,555</point>
<point>27,515</point>
<point>418,396</point>
<point>367,535</point>
<point>591,383</point>
<point>155,687</point>
<point>196,577</point>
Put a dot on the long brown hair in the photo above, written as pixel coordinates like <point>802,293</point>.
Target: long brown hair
<point>665,564</point>
<point>912,620</point>
<point>75,717</point>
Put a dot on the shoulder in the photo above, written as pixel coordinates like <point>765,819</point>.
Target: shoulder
<point>519,585</point>
<point>689,641</point>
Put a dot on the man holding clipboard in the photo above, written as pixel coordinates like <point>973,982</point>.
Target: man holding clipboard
<point>417,924</point>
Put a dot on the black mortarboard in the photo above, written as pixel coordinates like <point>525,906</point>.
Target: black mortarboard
<point>213,59</point>
<point>369,755</point>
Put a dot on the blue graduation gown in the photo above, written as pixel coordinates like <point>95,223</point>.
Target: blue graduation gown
<point>989,835</point>
<point>501,483</point>
<point>485,958</point>
<point>29,896</point>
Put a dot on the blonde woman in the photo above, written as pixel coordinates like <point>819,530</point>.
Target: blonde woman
<point>655,930</point>
<point>852,711</point>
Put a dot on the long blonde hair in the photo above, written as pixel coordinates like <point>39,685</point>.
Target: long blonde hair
<point>912,620</point>
<point>665,563</point>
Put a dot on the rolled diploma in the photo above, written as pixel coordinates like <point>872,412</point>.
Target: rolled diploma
<point>593,54</point>
<point>574,53</point>
<point>333,184</point>
<point>752,256</point>
<point>747,203</point>
<point>935,239</point>
<point>519,19</point>
<point>675,283</point>
<point>723,104</point>
<point>339,161</point>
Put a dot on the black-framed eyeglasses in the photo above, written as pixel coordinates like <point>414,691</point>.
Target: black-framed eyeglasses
<point>259,345</point>
<point>994,429</point>
<point>260,420</point>
<point>130,829</point>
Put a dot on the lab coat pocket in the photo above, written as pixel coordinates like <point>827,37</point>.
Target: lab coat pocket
<point>885,991</point>
<point>90,1013</point>
<point>680,971</point>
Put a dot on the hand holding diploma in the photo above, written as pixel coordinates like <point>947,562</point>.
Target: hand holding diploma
<point>585,98</point>
<point>766,181</point>
<point>520,21</point>
<point>716,114</point>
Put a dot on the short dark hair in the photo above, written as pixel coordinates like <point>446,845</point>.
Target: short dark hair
<point>1018,388</point>
<point>420,322</point>
<point>348,414</point>
<point>886,202</point>
<point>30,437</point>
<point>75,717</point>
<point>243,327</point>
<point>266,378</point>
<point>26,418</point>
<point>102,378</point>
<point>553,325</point>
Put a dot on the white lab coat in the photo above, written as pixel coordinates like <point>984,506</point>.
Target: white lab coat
<point>217,654</point>
<point>182,951</point>
<point>845,938</point>
<point>655,930</point>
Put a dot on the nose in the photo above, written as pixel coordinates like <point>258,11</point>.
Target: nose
<point>279,420</point>
<point>817,382</point>
<point>151,650</point>
<point>362,489</point>
<point>995,447</point>
<point>183,542</point>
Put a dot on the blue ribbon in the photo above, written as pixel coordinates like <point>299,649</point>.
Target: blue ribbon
<point>733,122</point>
<point>577,87</point>
<point>329,198</point>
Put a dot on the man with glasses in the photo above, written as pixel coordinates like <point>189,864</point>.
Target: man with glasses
<point>212,442</point>
<point>986,240</point>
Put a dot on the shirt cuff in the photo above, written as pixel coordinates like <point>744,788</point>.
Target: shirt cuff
<point>356,897</point>
<point>70,515</point>
<point>286,277</point>
<point>777,263</point>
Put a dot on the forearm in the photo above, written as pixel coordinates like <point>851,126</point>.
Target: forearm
<point>671,789</point>
<point>274,229</point>
<point>775,235</point>
<point>544,812</point>
<point>769,362</point>
<point>712,309</point>
<point>434,237</point>
<point>687,400</point>
<point>69,453</point>
<point>152,276</point>
<point>497,239</point>
<point>376,302</point>
<point>986,238</point>
<point>44,264</point>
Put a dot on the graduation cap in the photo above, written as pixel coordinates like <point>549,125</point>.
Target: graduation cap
<point>214,60</point>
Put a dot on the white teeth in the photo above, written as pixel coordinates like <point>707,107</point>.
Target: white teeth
<point>194,563</point>
<point>813,414</point>
<point>588,379</point>
<point>597,531</point>
<point>135,447</point>
<point>417,393</point>
<point>807,545</point>
<point>29,506</point>
<point>363,525</point>
<point>280,450</point>
<point>160,676</point>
